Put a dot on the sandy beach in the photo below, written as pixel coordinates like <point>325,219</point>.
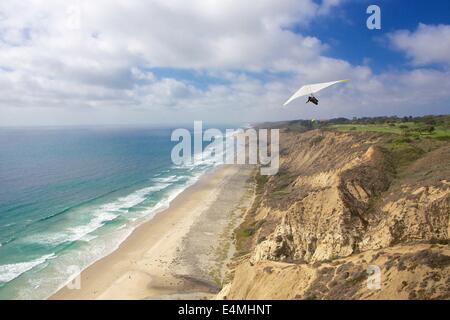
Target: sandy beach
<point>182,252</point>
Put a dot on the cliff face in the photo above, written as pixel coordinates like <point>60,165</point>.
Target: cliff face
<point>340,204</point>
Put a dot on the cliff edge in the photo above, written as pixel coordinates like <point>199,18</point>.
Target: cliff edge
<point>350,215</point>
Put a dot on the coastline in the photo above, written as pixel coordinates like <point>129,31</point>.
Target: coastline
<point>181,252</point>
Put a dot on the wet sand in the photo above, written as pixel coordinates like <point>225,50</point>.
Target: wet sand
<point>180,253</point>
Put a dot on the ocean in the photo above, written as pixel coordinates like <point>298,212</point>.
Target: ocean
<point>69,196</point>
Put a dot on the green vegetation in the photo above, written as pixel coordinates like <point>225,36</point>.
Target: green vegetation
<point>302,125</point>
<point>404,151</point>
<point>260,182</point>
<point>411,137</point>
<point>282,185</point>
<point>437,127</point>
<point>407,138</point>
<point>245,231</point>
<point>249,230</point>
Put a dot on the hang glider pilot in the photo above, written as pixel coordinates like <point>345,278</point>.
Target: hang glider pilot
<point>313,100</point>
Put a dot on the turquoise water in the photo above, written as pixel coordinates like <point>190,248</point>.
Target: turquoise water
<point>70,196</point>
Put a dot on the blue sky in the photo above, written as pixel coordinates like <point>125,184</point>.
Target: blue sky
<point>348,38</point>
<point>166,62</point>
<point>354,43</point>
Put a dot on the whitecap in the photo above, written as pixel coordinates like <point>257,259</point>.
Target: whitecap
<point>11,271</point>
<point>101,215</point>
<point>167,179</point>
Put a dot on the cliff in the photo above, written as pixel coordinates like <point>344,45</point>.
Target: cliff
<point>342,205</point>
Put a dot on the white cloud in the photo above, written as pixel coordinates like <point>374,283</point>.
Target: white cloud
<point>427,45</point>
<point>186,34</point>
<point>328,5</point>
<point>67,62</point>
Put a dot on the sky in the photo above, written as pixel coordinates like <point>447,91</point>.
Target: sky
<point>81,62</point>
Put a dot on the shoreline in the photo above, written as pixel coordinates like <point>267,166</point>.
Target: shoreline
<point>179,253</point>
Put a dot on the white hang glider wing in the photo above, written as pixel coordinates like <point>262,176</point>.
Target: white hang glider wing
<point>311,89</point>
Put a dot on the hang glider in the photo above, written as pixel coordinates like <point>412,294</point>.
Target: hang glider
<point>310,89</point>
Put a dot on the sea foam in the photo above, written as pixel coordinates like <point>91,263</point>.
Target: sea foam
<point>11,271</point>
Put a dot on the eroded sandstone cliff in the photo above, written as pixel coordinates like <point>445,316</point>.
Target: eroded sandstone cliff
<point>340,204</point>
